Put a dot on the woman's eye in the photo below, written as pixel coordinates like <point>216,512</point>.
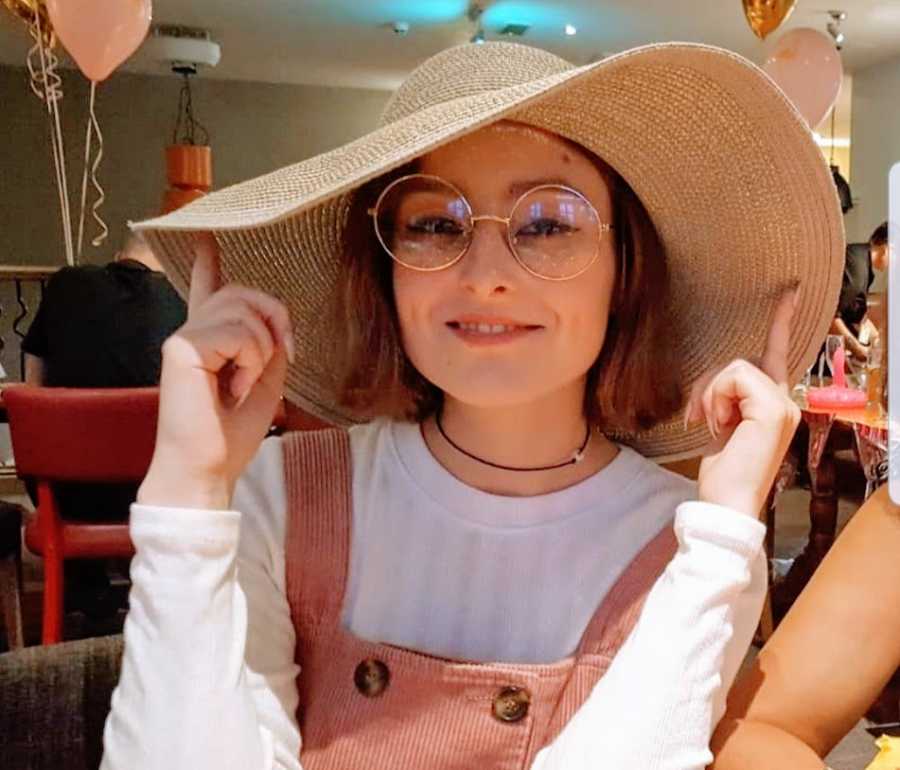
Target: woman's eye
<point>545,227</point>
<point>435,226</point>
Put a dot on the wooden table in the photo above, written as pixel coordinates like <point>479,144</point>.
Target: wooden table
<point>870,435</point>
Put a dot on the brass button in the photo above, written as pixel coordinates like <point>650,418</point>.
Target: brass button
<point>371,677</point>
<point>511,704</point>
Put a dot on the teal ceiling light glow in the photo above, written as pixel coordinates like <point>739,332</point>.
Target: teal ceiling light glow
<point>384,11</point>
<point>541,16</point>
<point>548,21</point>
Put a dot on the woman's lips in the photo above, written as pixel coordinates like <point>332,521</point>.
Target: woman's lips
<point>483,333</point>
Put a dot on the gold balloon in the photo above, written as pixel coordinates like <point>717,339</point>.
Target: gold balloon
<point>765,16</point>
<point>28,11</point>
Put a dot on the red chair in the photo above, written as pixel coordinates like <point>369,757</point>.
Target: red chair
<point>77,435</point>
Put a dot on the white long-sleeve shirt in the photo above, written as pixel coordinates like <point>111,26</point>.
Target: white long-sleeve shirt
<point>208,677</point>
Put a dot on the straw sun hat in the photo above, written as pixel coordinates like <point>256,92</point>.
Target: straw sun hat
<point>739,192</point>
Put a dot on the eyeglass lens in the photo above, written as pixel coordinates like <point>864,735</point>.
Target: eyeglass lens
<point>426,224</point>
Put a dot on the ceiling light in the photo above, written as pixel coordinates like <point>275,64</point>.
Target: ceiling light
<point>478,37</point>
<point>400,28</point>
<point>824,141</point>
<point>514,30</point>
<point>570,29</point>
<point>834,28</point>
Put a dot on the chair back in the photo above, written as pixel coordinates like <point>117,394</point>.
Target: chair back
<point>54,701</point>
<point>82,434</point>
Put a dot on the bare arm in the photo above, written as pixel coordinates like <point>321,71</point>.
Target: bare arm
<point>34,370</point>
<point>829,658</point>
<point>853,344</point>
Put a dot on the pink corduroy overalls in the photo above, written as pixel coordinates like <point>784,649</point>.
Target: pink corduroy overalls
<point>371,706</point>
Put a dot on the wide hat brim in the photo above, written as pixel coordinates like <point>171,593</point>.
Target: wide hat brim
<point>729,172</point>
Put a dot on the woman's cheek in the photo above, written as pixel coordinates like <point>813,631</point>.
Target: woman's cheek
<point>586,328</point>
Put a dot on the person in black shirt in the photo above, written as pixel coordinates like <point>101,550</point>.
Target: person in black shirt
<point>862,259</point>
<point>101,327</point>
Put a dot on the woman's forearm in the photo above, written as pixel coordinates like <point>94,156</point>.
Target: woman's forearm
<point>745,744</point>
<point>195,691</point>
<point>671,664</point>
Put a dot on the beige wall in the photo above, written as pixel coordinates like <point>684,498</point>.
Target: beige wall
<point>254,128</point>
<point>876,145</point>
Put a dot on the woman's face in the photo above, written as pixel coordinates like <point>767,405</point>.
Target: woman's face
<point>558,326</point>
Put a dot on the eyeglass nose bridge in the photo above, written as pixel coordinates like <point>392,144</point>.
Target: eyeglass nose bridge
<point>505,221</point>
<point>491,218</point>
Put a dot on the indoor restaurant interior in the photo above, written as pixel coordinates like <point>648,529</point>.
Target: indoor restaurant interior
<point>470,383</point>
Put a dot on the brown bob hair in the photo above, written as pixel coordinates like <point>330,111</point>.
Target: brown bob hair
<point>633,384</point>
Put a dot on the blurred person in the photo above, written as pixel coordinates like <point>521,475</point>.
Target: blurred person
<point>862,261</point>
<point>101,326</point>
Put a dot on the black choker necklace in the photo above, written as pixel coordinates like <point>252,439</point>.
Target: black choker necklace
<point>577,456</point>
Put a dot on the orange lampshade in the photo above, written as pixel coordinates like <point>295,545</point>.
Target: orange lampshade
<point>189,174</point>
<point>189,166</point>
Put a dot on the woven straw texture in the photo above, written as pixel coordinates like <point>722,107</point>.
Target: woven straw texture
<point>728,170</point>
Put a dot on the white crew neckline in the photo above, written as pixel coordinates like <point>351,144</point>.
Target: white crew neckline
<point>507,512</point>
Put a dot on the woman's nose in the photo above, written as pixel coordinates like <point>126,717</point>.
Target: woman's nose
<point>488,266</point>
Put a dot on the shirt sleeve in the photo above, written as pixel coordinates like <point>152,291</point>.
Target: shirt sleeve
<point>64,284</point>
<point>35,340</point>
<point>657,705</point>
<point>208,675</point>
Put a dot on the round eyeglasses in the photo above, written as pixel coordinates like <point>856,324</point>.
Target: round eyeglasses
<point>426,224</point>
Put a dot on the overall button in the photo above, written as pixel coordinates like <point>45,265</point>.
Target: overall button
<point>511,704</point>
<point>371,677</point>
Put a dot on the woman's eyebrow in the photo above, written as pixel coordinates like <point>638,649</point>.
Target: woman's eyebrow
<point>517,189</point>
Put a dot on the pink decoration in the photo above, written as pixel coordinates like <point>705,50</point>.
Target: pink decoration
<point>100,34</point>
<point>807,66</point>
<point>837,368</point>
<point>837,396</point>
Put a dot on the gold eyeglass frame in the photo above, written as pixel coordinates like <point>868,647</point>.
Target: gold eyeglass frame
<point>604,227</point>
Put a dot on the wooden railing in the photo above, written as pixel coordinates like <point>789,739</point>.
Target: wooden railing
<point>21,290</point>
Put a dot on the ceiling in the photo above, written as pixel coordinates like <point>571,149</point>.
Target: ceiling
<point>351,42</point>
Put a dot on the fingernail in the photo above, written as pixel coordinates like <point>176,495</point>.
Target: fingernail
<point>796,300</point>
<point>687,416</point>
<point>289,348</point>
<point>239,403</point>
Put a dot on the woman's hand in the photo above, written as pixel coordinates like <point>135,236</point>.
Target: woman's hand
<point>222,377</point>
<point>751,418</point>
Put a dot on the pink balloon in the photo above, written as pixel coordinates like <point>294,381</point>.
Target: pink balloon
<point>100,34</point>
<point>807,66</point>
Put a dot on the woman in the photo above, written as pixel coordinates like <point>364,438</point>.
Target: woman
<point>810,685</point>
<point>481,575</point>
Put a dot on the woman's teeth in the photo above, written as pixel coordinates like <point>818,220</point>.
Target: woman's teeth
<point>487,328</point>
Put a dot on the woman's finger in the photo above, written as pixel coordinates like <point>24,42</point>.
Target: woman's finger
<point>240,312</point>
<point>271,310</point>
<point>205,274</point>
<point>744,392</point>
<point>736,389</point>
<point>694,409</point>
<point>715,405</point>
<point>775,358</point>
<point>224,348</point>
<point>269,387</point>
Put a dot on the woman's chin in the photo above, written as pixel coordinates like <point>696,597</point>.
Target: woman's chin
<point>493,394</point>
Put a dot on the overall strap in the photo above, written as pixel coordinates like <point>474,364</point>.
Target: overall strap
<point>319,517</point>
<point>619,611</point>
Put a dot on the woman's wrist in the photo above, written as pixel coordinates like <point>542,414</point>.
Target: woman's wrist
<point>175,488</point>
<point>746,504</point>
